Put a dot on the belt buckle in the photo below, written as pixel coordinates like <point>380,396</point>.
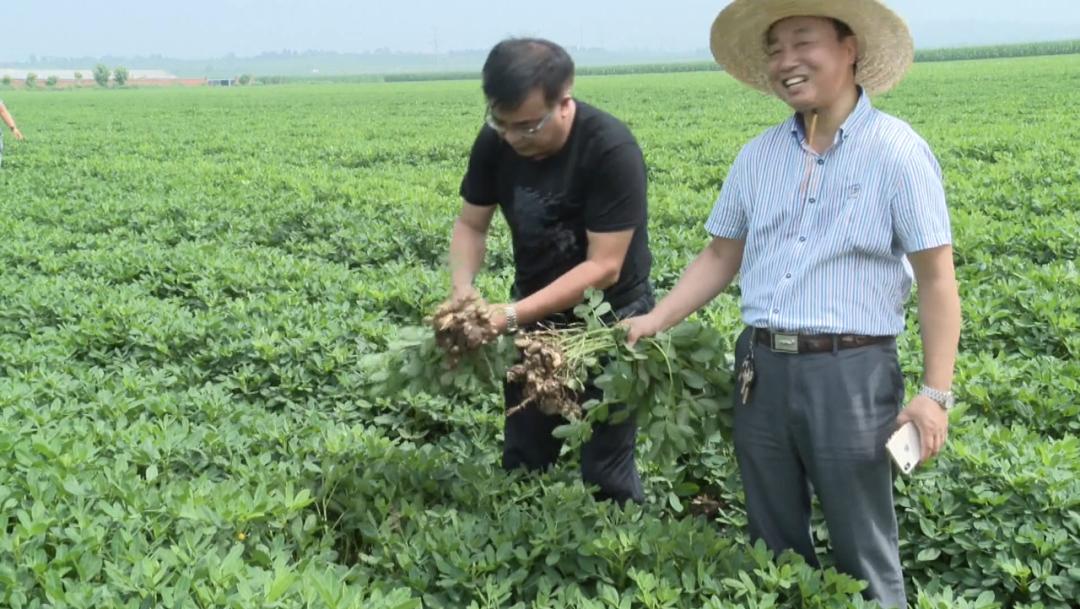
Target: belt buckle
<point>785,343</point>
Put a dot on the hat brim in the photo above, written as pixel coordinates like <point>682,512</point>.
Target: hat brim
<point>886,49</point>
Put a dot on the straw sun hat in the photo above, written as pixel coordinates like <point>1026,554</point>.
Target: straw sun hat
<point>886,49</point>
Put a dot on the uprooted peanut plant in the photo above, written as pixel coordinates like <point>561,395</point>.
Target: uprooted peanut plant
<point>676,383</point>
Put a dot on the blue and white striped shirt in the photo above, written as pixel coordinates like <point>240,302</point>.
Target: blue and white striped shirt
<point>826,234</point>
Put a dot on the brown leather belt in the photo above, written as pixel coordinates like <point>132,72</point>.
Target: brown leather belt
<point>813,343</point>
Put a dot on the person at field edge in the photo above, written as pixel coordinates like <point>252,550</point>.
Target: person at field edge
<point>570,182</point>
<point>10,122</point>
<point>817,216</point>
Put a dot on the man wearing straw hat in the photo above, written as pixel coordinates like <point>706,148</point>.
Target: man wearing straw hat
<point>817,216</point>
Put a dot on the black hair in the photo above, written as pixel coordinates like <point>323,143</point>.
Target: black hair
<point>843,30</point>
<point>516,66</point>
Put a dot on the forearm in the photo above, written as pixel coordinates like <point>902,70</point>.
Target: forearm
<point>565,292</point>
<point>8,120</point>
<point>708,275</point>
<point>939,322</point>
<point>467,248</point>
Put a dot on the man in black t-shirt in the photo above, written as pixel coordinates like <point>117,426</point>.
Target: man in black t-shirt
<point>570,182</point>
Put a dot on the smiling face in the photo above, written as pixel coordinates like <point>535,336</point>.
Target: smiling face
<point>810,65</point>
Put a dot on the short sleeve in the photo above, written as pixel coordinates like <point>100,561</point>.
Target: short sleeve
<point>617,196</point>
<point>728,217</point>
<point>919,213</point>
<point>480,186</point>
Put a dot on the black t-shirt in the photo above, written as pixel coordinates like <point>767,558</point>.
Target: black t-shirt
<point>596,182</point>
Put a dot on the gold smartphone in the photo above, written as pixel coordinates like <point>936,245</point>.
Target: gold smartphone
<point>904,447</point>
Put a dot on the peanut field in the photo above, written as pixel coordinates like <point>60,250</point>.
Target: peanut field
<point>194,283</point>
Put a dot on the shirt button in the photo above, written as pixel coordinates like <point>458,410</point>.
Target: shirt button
<point>801,239</point>
<point>821,161</point>
<point>775,311</point>
<point>813,200</point>
<point>788,276</point>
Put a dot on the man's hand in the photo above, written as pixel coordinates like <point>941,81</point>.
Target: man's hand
<point>498,316</point>
<point>463,292</point>
<point>932,422</point>
<point>641,326</point>
<point>18,134</point>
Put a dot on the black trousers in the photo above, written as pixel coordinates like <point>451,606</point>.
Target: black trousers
<point>607,458</point>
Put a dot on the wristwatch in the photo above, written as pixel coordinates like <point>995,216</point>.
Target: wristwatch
<point>944,399</point>
<point>511,319</point>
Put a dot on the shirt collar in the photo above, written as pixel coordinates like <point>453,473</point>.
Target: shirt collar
<point>858,117</point>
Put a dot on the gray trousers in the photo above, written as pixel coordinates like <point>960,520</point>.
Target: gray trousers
<point>819,421</point>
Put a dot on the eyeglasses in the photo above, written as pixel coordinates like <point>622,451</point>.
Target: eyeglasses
<point>521,131</point>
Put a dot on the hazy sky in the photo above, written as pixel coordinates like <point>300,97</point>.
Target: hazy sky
<point>212,28</point>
